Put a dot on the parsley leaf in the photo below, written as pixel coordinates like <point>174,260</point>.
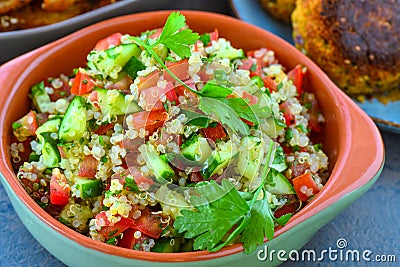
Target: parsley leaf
<point>224,112</point>
<point>260,225</point>
<point>219,209</point>
<point>175,39</point>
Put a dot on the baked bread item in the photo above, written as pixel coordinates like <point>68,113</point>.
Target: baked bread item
<point>279,9</point>
<point>356,42</point>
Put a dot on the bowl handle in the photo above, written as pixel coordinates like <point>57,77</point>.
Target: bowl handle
<point>365,137</point>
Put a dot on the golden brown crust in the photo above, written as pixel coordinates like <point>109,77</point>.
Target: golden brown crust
<point>10,5</point>
<point>356,43</point>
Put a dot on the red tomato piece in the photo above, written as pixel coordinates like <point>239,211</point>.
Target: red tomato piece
<point>82,83</point>
<point>149,224</point>
<point>108,42</point>
<point>88,167</point>
<point>303,183</point>
<point>138,176</point>
<point>128,239</point>
<point>103,129</point>
<point>179,69</point>
<point>152,96</point>
<point>156,34</point>
<point>149,120</point>
<point>269,83</point>
<point>289,117</point>
<point>59,189</point>
<point>297,76</point>
<point>252,98</point>
<point>214,133</point>
<point>286,209</point>
<point>26,126</point>
<point>60,92</point>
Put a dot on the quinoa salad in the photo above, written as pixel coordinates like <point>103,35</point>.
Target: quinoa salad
<point>172,141</point>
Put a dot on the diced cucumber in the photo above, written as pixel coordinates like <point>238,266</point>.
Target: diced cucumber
<point>230,52</point>
<point>81,213</point>
<point>133,66</point>
<point>40,98</point>
<point>278,184</point>
<point>50,155</point>
<point>51,126</point>
<point>279,162</point>
<point>275,126</point>
<point>171,201</point>
<point>89,188</point>
<point>112,103</point>
<point>154,162</point>
<point>196,149</point>
<point>73,125</point>
<point>250,157</point>
<point>167,245</point>
<point>218,160</point>
<point>112,60</point>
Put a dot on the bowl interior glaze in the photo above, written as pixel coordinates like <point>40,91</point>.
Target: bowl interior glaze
<point>350,138</point>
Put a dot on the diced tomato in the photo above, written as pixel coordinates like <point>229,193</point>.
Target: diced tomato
<point>180,69</point>
<point>269,83</point>
<point>112,230</point>
<point>196,177</point>
<point>94,98</point>
<point>110,41</point>
<point>252,98</point>
<point>59,188</point>
<point>62,91</point>
<point>297,76</point>
<point>149,224</point>
<point>214,35</point>
<point>303,183</point>
<point>139,177</point>
<point>149,120</point>
<point>122,83</point>
<point>286,209</point>
<point>156,34</point>
<point>214,133</point>
<point>289,117</point>
<point>299,169</point>
<point>26,126</point>
<point>171,95</point>
<point>103,129</point>
<point>82,83</point>
<point>88,167</point>
<point>152,96</point>
<point>61,149</point>
<point>129,241</point>
<point>311,102</point>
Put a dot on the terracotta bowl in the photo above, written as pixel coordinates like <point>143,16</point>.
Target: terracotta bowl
<point>350,138</point>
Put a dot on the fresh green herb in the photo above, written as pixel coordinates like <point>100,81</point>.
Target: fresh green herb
<point>131,185</point>
<point>16,125</point>
<point>225,113</point>
<point>205,39</point>
<point>223,214</point>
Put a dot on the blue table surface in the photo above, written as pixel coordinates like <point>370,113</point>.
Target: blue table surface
<point>371,222</point>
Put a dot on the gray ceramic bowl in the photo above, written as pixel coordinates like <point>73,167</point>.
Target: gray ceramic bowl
<point>15,43</point>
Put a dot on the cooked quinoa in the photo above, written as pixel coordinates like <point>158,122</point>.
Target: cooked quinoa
<point>131,171</point>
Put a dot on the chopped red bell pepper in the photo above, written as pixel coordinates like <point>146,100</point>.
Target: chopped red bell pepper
<point>59,188</point>
<point>214,133</point>
<point>302,184</point>
<point>149,224</point>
